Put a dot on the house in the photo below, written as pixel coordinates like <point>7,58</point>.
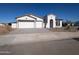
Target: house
<point>2,24</point>
<point>29,21</point>
<point>12,24</point>
<point>33,21</point>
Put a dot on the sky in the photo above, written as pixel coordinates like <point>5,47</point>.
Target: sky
<point>65,11</point>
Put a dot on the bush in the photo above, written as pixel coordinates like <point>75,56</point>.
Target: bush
<point>8,28</point>
<point>70,28</point>
<point>5,29</point>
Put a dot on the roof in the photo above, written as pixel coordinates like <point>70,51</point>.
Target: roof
<point>25,15</point>
<point>59,19</point>
<point>11,22</point>
<point>29,16</point>
<point>36,16</point>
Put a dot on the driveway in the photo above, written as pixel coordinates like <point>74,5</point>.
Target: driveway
<point>29,30</point>
<point>39,41</point>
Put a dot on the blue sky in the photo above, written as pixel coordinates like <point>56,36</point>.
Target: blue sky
<point>65,11</point>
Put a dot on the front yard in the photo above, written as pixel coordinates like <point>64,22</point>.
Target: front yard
<point>65,29</point>
<point>5,29</point>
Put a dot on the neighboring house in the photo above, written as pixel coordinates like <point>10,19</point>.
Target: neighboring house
<point>33,21</point>
<point>2,24</point>
<point>13,24</point>
<point>77,23</point>
<point>68,23</point>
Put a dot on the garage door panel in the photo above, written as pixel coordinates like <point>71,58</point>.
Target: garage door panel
<point>39,25</point>
<point>26,24</point>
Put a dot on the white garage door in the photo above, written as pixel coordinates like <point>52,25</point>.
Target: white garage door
<point>39,25</point>
<point>25,24</point>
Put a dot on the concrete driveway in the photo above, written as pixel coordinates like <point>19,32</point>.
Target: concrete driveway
<point>29,30</point>
<point>39,41</point>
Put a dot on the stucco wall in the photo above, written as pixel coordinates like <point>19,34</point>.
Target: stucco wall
<point>13,25</point>
<point>59,25</point>
<point>49,17</point>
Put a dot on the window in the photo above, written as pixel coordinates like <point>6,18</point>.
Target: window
<point>57,23</point>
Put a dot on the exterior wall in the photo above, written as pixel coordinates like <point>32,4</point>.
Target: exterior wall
<point>60,25</point>
<point>39,24</point>
<point>13,25</point>
<point>49,17</point>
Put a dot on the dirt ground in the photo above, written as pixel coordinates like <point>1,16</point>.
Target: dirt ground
<point>5,29</point>
<point>39,42</point>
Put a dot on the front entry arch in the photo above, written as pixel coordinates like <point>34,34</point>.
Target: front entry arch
<point>51,23</point>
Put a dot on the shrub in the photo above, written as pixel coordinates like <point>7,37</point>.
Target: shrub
<point>70,28</point>
<point>5,29</point>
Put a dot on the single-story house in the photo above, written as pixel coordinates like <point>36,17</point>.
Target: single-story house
<point>2,24</point>
<point>33,21</point>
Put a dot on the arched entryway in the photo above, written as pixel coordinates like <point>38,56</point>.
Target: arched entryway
<point>51,23</point>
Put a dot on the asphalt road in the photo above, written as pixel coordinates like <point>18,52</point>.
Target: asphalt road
<point>39,42</point>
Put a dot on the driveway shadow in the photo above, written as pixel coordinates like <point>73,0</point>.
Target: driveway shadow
<point>53,47</point>
<point>77,39</point>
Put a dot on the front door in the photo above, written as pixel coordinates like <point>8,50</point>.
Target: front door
<point>51,23</point>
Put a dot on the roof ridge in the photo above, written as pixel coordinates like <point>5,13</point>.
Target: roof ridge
<point>36,15</point>
<point>25,15</point>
